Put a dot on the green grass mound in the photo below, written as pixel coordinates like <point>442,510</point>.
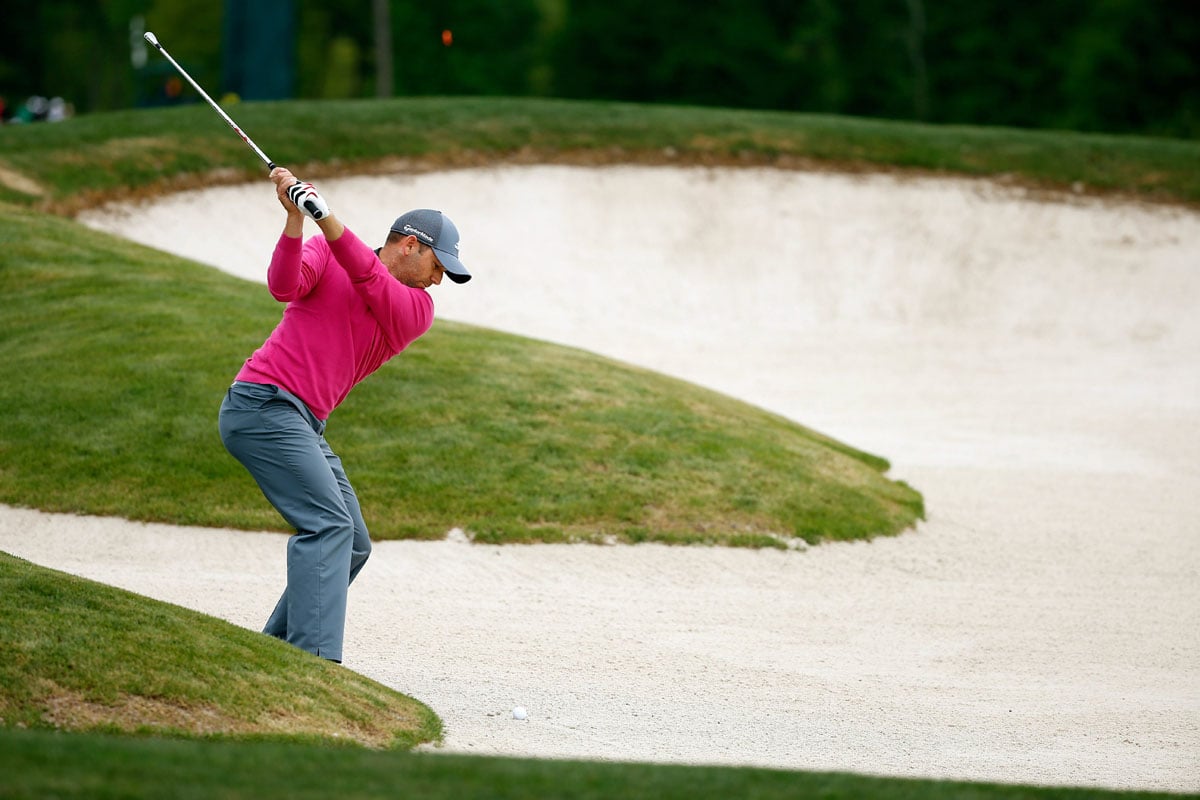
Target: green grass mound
<point>81,656</point>
<point>93,156</point>
<point>118,357</point>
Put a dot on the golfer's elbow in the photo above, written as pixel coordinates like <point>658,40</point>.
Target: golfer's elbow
<point>284,295</point>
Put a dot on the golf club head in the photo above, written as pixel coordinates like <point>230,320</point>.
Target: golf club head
<point>151,38</point>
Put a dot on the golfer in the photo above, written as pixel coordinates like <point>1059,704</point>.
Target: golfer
<point>349,309</point>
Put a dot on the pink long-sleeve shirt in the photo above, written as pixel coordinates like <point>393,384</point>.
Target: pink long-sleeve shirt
<point>345,316</point>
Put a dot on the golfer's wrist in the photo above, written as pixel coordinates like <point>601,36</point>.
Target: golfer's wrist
<point>294,227</point>
<point>332,227</point>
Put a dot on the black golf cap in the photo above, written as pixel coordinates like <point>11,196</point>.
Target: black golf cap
<point>436,230</point>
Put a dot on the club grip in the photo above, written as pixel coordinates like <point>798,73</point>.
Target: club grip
<point>314,210</point>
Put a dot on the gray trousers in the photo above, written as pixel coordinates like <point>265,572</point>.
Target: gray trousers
<point>275,436</point>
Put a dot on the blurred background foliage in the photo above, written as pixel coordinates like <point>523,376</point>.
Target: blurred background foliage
<point>1120,66</point>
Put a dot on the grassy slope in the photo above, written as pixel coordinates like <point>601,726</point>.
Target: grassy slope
<point>79,655</point>
<point>120,355</point>
<point>107,153</point>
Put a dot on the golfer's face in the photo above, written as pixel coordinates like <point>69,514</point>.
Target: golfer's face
<point>432,268</point>
<point>419,267</point>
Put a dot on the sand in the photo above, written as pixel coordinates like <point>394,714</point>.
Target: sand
<point>1029,363</point>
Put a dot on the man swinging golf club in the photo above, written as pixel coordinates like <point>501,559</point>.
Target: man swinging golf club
<point>349,309</point>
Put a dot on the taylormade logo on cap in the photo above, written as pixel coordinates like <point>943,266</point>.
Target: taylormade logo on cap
<point>422,235</point>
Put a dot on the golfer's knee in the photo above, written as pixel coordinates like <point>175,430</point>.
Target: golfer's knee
<point>334,526</point>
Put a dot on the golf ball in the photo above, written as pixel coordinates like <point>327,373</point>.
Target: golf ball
<point>519,713</point>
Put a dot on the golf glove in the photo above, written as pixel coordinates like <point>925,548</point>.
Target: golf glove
<point>305,196</point>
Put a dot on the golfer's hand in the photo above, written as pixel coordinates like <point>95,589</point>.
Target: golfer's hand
<point>284,179</point>
<point>303,196</point>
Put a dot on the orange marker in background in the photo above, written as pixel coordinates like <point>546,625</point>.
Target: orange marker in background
<point>447,37</point>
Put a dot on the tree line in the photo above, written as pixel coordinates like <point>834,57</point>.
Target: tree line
<point>1121,66</point>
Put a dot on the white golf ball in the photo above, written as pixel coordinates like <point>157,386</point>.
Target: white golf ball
<point>519,713</point>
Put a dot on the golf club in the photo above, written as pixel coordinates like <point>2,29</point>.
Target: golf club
<point>313,208</point>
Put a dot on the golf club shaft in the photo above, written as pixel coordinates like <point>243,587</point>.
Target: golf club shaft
<point>152,39</point>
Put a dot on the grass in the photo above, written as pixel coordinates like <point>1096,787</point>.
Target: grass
<point>39,765</point>
<point>81,656</point>
<point>119,356</point>
<point>93,157</point>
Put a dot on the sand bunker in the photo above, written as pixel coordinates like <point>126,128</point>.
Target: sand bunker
<point>1030,365</point>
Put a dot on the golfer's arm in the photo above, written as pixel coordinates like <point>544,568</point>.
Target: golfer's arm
<point>286,276</point>
<point>332,227</point>
<point>294,227</point>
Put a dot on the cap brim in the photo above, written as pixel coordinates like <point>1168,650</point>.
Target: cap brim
<point>454,268</point>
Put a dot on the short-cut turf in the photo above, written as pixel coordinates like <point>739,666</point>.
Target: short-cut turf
<point>119,356</point>
<point>99,156</point>
<point>79,656</point>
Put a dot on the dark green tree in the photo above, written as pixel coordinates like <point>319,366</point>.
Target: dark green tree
<point>1132,65</point>
<point>1097,65</point>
